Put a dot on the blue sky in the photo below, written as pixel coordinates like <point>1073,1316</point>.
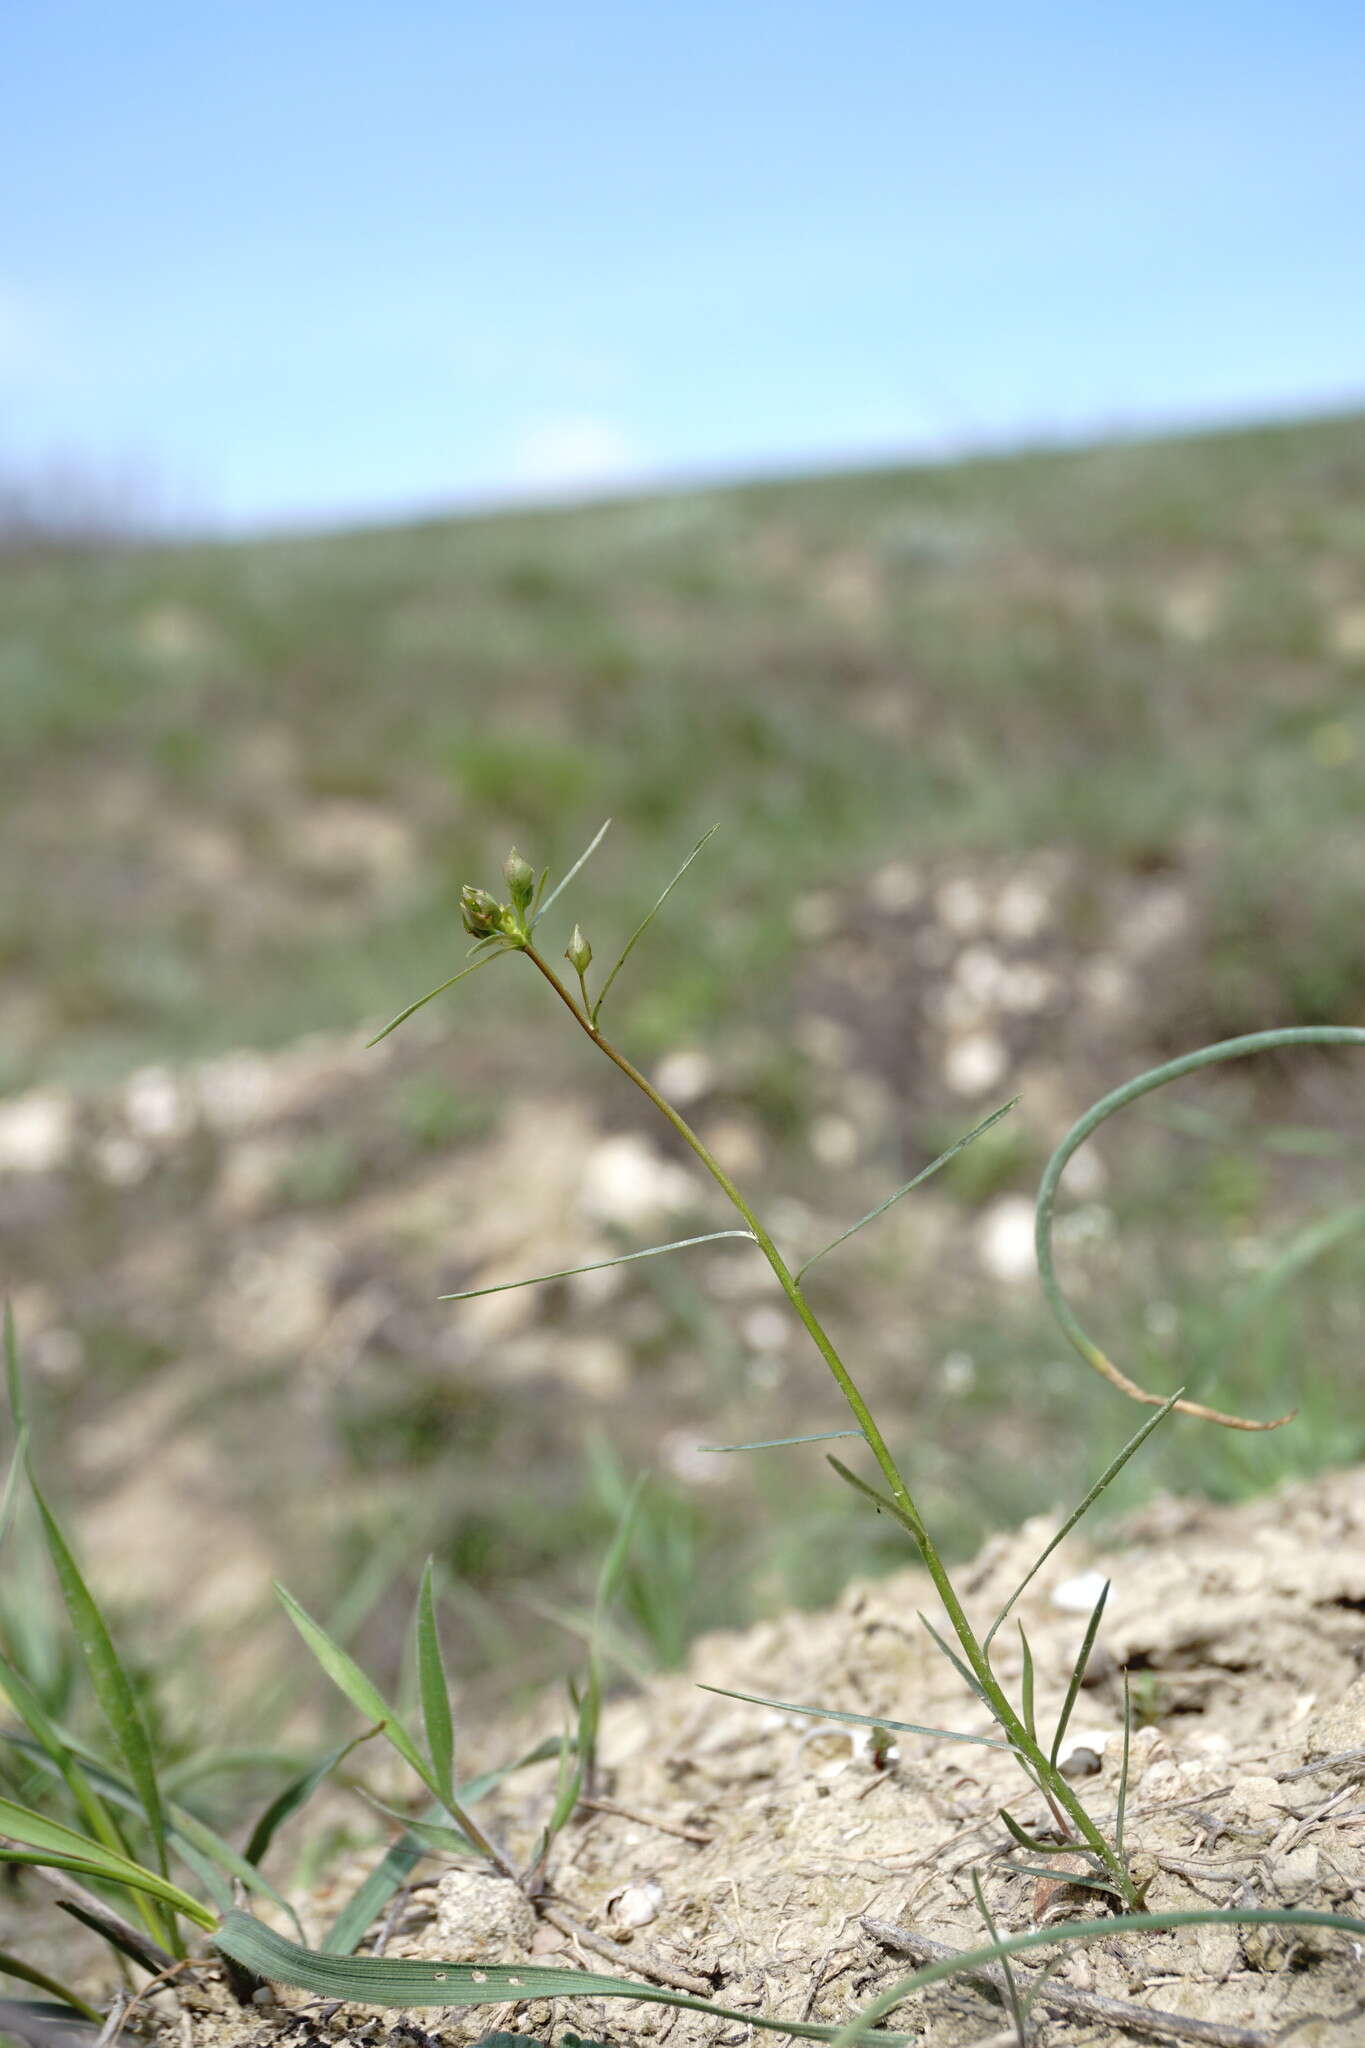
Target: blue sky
<point>324,262</point>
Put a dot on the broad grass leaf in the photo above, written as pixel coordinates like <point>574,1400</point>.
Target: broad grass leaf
<point>112,1687</point>
<point>385,1981</point>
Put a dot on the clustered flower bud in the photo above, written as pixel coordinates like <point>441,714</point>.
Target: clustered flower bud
<point>521,879</point>
<point>578,952</point>
<point>482,913</point>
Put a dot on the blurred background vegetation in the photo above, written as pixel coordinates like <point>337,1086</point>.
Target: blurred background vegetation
<point>1029,773</point>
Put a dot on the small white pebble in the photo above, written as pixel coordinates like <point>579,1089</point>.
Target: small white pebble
<point>685,1076</point>
<point>961,906</point>
<point>1004,1238</point>
<point>1078,1595</point>
<point>834,1140</point>
<point>635,1905</point>
<point>896,888</point>
<point>975,1063</point>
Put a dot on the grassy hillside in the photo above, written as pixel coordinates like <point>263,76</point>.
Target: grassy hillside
<point>245,783</point>
<point>1061,755</point>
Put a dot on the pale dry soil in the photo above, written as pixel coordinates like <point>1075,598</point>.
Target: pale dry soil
<point>768,1860</point>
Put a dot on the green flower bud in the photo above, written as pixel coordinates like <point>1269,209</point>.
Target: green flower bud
<point>578,952</point>
<point>481,912</point>
<point>520,877</point>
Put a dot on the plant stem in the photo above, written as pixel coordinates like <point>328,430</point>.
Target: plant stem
<point>1050,1780</point>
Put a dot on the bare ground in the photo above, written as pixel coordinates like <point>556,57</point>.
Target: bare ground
<point>768,1861</point>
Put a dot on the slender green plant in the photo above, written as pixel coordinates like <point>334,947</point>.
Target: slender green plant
<point>128,1837</point>
<point>500,928</point>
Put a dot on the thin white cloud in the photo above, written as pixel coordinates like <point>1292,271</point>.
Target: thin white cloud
<point>579,452</point>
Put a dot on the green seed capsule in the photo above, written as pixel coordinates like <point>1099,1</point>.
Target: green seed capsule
<point>520,877</point>
<point>481,912</point>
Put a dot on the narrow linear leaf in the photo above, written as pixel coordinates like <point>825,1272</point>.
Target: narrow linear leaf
<point>28,1973</point>
<point>653,1251</point>
<point>963,1670</point>
<point>860,1720</point>
<point>296,1794</point>
<point>347,1676</point>
<point>192,1839</point>
<point>1092,1628</point>
<point>778,1443</point>
<point>646,922</point>
<point>1084,1933</point>
<point>386,1981</point>
<point>112,1686</point>
<point>562,885</point>
<point>17,1462</point>
<point>1084,1880</point>
<point>435,1692</point>
<point>431,996</point>
<point>45,1737</point>
<point>880,1500</point>
<point>54,1843</point>
<point>436,1837</point>
<point>1122,1811</point>
<point>13,1385</point>
<point>372,1895</point>
<point>1109,1474</point>
<point>1011,1985</point>
<point>1026,1684</point>
<point>909,1186</point>
<point>1024,1838</point>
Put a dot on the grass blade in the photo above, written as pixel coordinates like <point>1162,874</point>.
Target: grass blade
<point>430,997</point>
<point>363,1694</point>
<point>296,1794</point>
<point>645,923</point>
<point>1082,1879</point>
<point>1110,1473</point>
<point>921,1176</point>
<point>1084,1934</point>
<point>882,1501</point>
<point>192,1839</point>
<point>1011,1987</point>
<point>385,1981</point>
<point>1024,1838</point>
<point>778,1443</point>
<point>370,1897</point>
<point>562,885</point>
<point>47,1738</point>
<point>437,1838</point>
<point>10,1496</point>
<point>859,1720</point>
<point>52,1842</point>
<point>1092,1627</point>
<point>435,1692</point>
<point>112,1687</point>
<point>13,1386</point>
<point>653,1251</point>
<point>15,1966</point>
<point>1122,1810</point>
<point>964,1671</point>
<point>1026,1684</point>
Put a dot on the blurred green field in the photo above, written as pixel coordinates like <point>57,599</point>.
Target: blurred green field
<point>245,784</point>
